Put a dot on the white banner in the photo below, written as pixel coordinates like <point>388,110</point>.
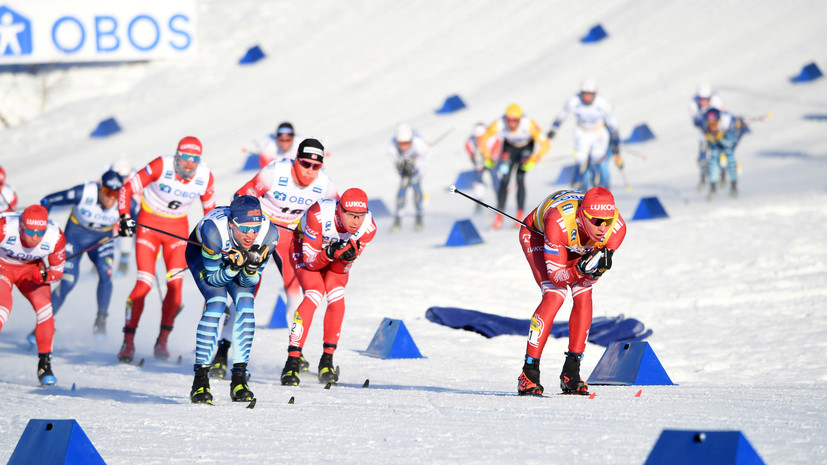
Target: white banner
<point>60,31</point>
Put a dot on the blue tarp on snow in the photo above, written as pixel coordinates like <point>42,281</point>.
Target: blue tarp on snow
<point>603,331</point>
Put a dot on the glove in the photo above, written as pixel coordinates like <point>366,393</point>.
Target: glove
<point>619,162</point>
<point>237,259</point>
<point>126,226</point>
<point>550,134</point>
<point>489,163</point>
<point>44,276</point>
<point>345,250</point>
<point>587,264</point>
<point>604,264</point>
<point>528,165</point>
<point>256,256</point>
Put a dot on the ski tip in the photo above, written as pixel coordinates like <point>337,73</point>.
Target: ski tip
<point>141,363</point>
<point>292,400</point>
<point>327,386</point>
<point>252,403</point>
<point>367,383</point>
<point>452,189</point>
<point>73,386</point>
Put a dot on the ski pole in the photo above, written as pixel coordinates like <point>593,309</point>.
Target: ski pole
<point>441,136</point>
<point>625,181</point>
<point>454,189</point>
<point>168,234</point>
<point>93,246</point>
<point>760,117</point>
<point>642,156</point>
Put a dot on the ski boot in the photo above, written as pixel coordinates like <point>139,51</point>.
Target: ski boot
<point>529,381</point>
<point>127,352</point>
<point>123,265</point>
<point>44,369</point>
<point>712,191</point>
<point>304,365</point>
<point>733,189</point>
<point>290,373</point>
<point>32,340</point>
<point>520,215</point>
<point>218,369</point>
<point>239,391</point>
<point>327,373</point>
<point>99,328</point>
<point>397,223</point>
<point>498,222</point>
<point>161,352</point>
<point>570,381</point>
<point>418,224</point>
<point>200,393</point>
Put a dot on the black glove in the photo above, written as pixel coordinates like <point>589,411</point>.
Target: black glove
<point>256,256</point>
<point>345,250</point>
<point>126,226</point>
<point>550,134</point>
<point>587,264</point>
<point>604,264</point>
<point>237,258</point>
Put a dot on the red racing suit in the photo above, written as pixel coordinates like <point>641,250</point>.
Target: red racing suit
<point>32,270</point>
<point>318,275</point>
<point>552,258</point>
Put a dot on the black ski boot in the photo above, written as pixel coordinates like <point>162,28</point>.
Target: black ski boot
<point>418,223</point>
<point>733,190</point>
<point>218,369</point>
<point>99,328</point>
<point>570,381</point>
<point>44,370</point>
<point>529,381</point>
<point>239,391</point>
<point>200,393</point>
<point>327,373</point>
<point>304,365</point>
<point>290,373</point>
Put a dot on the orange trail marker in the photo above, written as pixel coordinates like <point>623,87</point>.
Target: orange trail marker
<point>638,393</point>
<point>592,395</point>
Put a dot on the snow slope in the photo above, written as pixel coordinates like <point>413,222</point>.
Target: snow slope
<point>733,288</point>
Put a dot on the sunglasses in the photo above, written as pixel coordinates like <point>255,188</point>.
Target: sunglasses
<point>247,228</point>
<point>307,165</point>
<point>189,158</point>
<point>596,220</point>
<point>34,232</point>
<point>285,137</point>
<point>107,192</point>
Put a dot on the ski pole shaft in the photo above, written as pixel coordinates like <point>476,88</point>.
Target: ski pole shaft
<point>168,234</point>
<point>642,156</point>
<point>760,117</point>
<point>454,189</point>
<point>91,247</point>
<point>625,181</point>
<point>441,136</point>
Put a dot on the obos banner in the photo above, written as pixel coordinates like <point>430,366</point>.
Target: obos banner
<point>50,31</point>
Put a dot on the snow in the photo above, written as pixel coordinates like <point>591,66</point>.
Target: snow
<point>734,289</point>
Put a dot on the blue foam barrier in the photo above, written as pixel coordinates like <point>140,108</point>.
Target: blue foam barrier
<point>629,363</point>
<point>466,180</point>
<point>808,73</point>
<point>279,318</point>
<point>682,447</point>
<point>452,104</point>
<point>253,55</point>
<point>641,133</point>
<point>569,175</point>
<point>392,340</point>
<point>251,163</point>
<point>815,117</point>
<point>463,233</point>
<point>48,442</point>
<point>649,208</point>
<point>378,209</point>
<point>596,34</point>
<point>105,128</point>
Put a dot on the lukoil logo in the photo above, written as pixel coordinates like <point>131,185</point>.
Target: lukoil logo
<point>15,33</point>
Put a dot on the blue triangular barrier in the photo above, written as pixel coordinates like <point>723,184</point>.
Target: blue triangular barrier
<point>47,442</point>
<point>463,233</point>
<point>569,175</point>
<point>641,133</point>
<point>649,208</point>
<point>452,104</point>
<point>251,163</point>
<point>629,363</point>
<point>279,318</point>
<point>253,55</point>
<point>378,209</point>
<point>105,128</point>
<point>807,74</point>
<point>392,340</point>
<point>596,34</point>
<point>466,179</point>
<point>681,447</point>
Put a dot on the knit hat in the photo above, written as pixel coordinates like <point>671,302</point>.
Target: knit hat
<point>246,209</point>
<point>354,200</point>
<point>311,150</point>
<point>35,217</point>
<point>190,145</point>
<point>598,203</point>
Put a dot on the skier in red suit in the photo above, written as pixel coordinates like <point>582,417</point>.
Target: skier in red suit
<point>581,232</point>
<point>169,184</point>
